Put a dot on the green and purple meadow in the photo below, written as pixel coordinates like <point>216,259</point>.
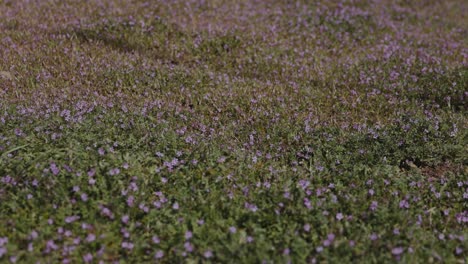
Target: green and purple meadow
<point>233,131</point>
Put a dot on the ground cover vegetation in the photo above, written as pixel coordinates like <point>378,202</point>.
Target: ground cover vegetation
<point>233,131</point>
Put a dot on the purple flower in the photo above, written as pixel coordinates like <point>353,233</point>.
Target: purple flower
<point>144,208</point>
<point>329,240</point>
<point>18,132</point>
<point>175,206</point>
<point>156,240</point>
<point>107,212</point>
<point>55,170</point>
<point>33,235</point>
<point>131,201</point>
<point>127,245</point>
<point>404,204</point>
<point>307,227</point>
<point>88,258</point>
<point>90,238</point>
<point>50,246</point>
<point>125,232</point>
<point>91,181</point>
<point>251,207</point>
<point>101,151</point>
<point>188,246</point>
<point>3,241</point>
<point>114,171</point>
<point>397,251</point>
<point>84,197</point>
<point>339,216</point>
<point>462,217</point>
<point>159,254</point>
<point>125,219</point>
<point>91,172</point>
<point>208,254</point>
<point>232,230</point>
<point>71,219</point>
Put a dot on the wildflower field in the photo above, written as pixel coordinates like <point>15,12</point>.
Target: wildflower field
<point>233,131</point>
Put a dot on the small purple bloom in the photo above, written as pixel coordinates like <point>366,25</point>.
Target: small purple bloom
<point>404,204</point>
<point>84,197</point>
<point>33,235</point>
<point>127,245</point>
<point>208,254</point>
<point>188,246</point>
<point>114,171</point>
<point>101,151</point>
<point>159,254</point>
<point>397,251</point>
<point>339,216</point>
<point>90,238</point>
<point>71,219</point>
<point>3,241</point>
<point>131,201</point>
<point>55,170</point>
<point>92,181</point>
<point>91,172</point>
<point>156,240</point>
<point>88,258</point>
<point>50,246</point>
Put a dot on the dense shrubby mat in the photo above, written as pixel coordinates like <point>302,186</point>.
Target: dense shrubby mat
<point>233,131</point>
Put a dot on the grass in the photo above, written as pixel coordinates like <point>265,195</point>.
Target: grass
<point>233,132</point>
